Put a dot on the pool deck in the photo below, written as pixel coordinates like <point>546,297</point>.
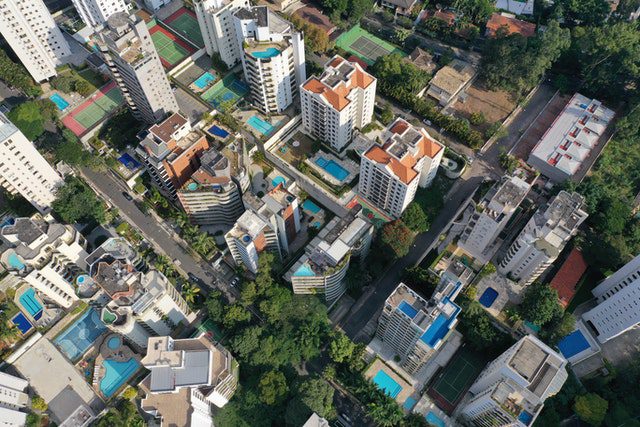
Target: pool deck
<point>425,405</point>
<point>407,388</point>
<point>508,292</point>
<point>347,164</point>
<point>121,354</point>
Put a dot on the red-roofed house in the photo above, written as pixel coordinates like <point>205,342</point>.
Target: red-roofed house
<point>391,173</point>
<point>568,276</point>
<point>510,25</point>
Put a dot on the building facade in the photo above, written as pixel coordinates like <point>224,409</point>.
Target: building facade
<point>415,328</point>
<point>48,256</point>
<point>128,51</point>
<point>171,152</point>
<point>188,376</point>
<point>272,54</point>
<point>543,238</point>
<point>215,18</point>
<point>251,235</point>
<point>34,37</point>
<point>618,298</point>
<point>322,269</point>
<point>391,172</point>
<point>213,193</point>
<point>23,170</point>
<point>95,13</point>
<point>337,102</point>
<point>14,400</point>
<point>512,389</point>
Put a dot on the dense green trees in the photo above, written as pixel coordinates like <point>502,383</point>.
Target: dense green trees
<point>540,304</point>
<point>121,130</point>
<point>341,348</point>
<point>585,12</point>
<point>315,38</point>
<point>591,408</point>
<point>76,202</point>
<point>415,218</point>
<point>478,11</point>
<point>313,395</point>
<point>397,238</point>
<point>125,414</point>
<point>31,116</point>
<point>16,75</point>
<point>349,10</point>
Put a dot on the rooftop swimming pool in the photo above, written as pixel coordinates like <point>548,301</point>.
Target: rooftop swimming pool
<point>304,271</point>
<point>30,303</point>
<point>525,418</point>
<point>573,344</point>
<point>488,297</point>
<point>116,374</point>
<point>278,180</point>
<point>129,162</point>
<point>204,80</point>
<point>267,53</point>
<point>387,384</point>
<point>77,338</point>
<point>333,168</point>
<point>435,420</point>
<point>409,403</point>
<point>218,131</point>
<point>60,102</point>
<point>260,125</point>
<point>14,261</point>
<point>114,343</point>
<point>310,206</point>
<point>407,309</point>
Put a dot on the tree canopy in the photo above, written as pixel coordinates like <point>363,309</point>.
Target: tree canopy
<point>591,408</point>
<point>397,237</point>
<point>415,218</point>
<point>76,202</point>
<point>540,304</point>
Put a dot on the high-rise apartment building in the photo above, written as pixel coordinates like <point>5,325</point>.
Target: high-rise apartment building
<point>415,328</point>
<point>272,54</point>
<point>391,172</point>
<point>251,235</point>
<point>217,26</point>
<point>543,238</point>
<point>337,102</point>
<point>95,13</point>
<point>48,256</point>
<point>139,305</point>
<point>23,170</point>
<point>213,193</point>
<point>34,37</point>
<point>492,214</point>
<point>187,377</point>
<point>618,298</point>
<point>512,389</point>
<point>321,270</point>
<point>128,51</point>
<point>13,398</point>
<point>171,152</point>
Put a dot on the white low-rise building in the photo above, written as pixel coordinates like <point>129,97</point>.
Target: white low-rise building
<point>14,400</point>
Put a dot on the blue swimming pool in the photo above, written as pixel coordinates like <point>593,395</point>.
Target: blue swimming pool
<point>573,344</point>
<point>525,418</point>
<point>129,162</point>
<point>77,338</point>
<point>60,102</point>
<point>30,303</point>
<point>204,80</point>
<point>218,131</point>
<point>267,53</point>
<point>304,271</point>
<point>278,180</point>
<point>387,384</point>
<point>260,125</point>
<point>310,206</point>
<point>22,323</point>
<point>14,261</point>
<point>114,343</point>
<point>409,403</point>
<point>333,168</point>
<point>488,297</point>
<point>435,420</point>
<point>116,374</point>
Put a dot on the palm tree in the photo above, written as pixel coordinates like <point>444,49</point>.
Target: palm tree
<point>190,231</point>
<point>182,219</point>
<point>385,414</point>
<point>164,265</point>
<point>157,198</point>
<point>190,293</point>
<point>204,244</point>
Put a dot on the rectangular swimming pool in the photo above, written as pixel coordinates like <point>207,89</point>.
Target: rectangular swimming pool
<point>116,374</point>
<point>310,206</point>
<point>435,420</point>
<point>387,384</point>
<point>31,304</point>
<point>260,125</point>
<point>22,323</point>
<point>573,344</point>
<point>60,102</point>
<point>218,131</point>
<point>204,80</point>
<point>488,297</point>
<point>333,168</point>
<point>77,338</point>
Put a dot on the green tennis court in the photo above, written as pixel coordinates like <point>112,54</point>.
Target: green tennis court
<point>226,90</point>
<point>457,376</point>
<point>170,51</point>
<point>99,109</point>
<point>185,24</point>
<point>365,45</point>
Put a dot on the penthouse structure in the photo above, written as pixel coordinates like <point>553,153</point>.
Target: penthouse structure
<point>391,172</point>
<point>171,152</point>
<point>492,214</point>
<point>215,18</point>
<point>34,37</point>
<point>618,297</point>
<point>213,193</point>
<point>543,238</point>
<point>281,208</point>
<point>95,13</point>
<point>251,235</point>
<point>187,377</point>
<point>337,102</point>
<point>23,170</point>
<point>48,256</point>
<point>128,51</point>
<point>512,389</point>
<point>416,328</point>
<point>13,400</point>
<point>272,54</point>
<point>321,270</point>
<point>139,305</point>
<point>566,147</point>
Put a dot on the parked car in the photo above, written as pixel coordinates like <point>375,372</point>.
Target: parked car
<point>127,196</point>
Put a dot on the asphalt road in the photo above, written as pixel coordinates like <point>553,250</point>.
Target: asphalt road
<point>484,166</point>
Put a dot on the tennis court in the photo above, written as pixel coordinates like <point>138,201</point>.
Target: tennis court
<point>170,49</point>
<point>229,89</point>
<point>185,23</point>
<point>94,110</point>
<point>455,379</point>
<point>365,45</point>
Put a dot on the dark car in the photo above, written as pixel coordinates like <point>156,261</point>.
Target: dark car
<point>127,196</point>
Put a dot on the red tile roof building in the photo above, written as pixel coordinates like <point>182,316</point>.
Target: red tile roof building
<point>510,25</point>
<point>568,276</point>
